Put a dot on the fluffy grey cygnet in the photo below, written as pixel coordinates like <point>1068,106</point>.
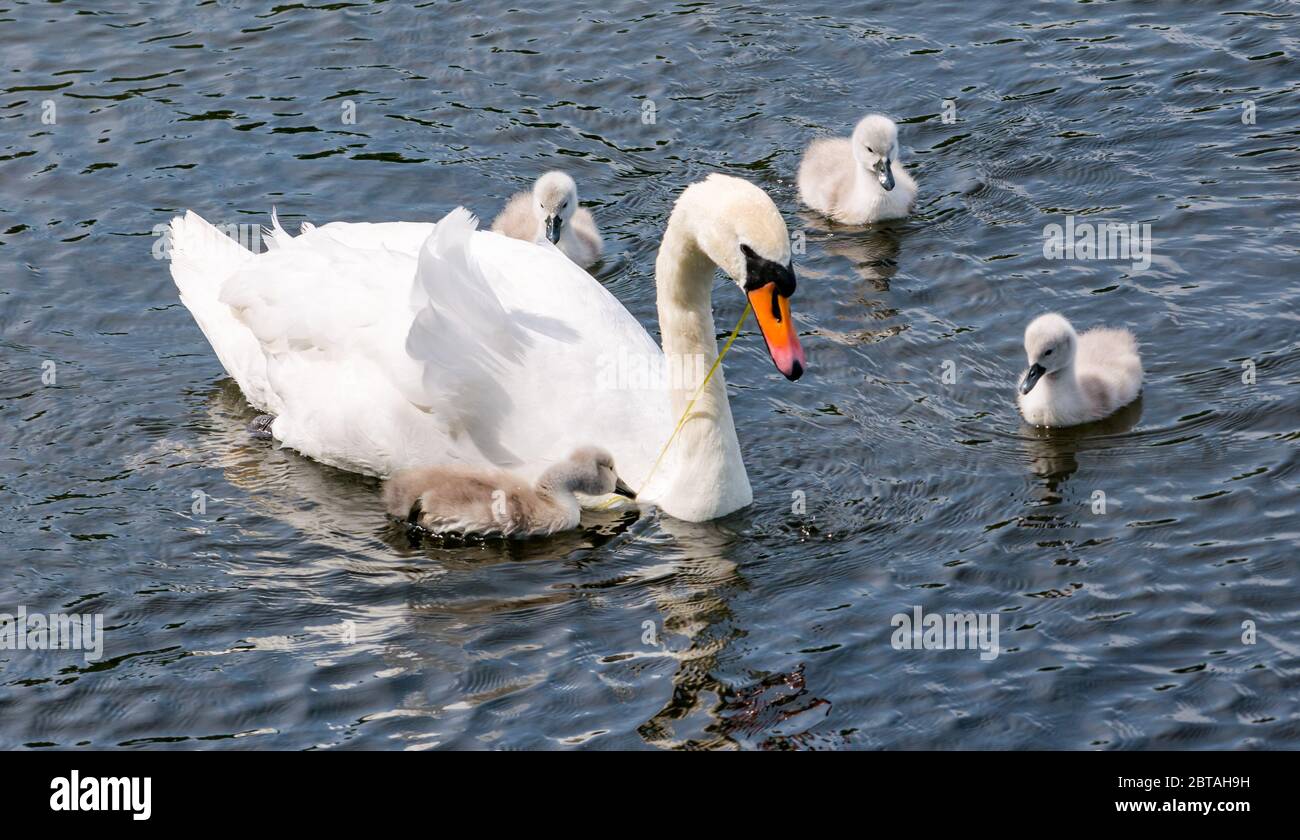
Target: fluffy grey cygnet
<point>496,503</point>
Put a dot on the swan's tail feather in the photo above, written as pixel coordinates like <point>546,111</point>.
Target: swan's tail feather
<point>275,236</point>
<point>202,259</point>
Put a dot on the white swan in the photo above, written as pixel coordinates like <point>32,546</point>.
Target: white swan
<point>1073,378</point>
<point>551,212</point>
<point>497,503</point>
<point>855,180</point>
<point>383,346</point>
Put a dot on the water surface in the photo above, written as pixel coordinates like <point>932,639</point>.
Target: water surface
<point>287,614</point>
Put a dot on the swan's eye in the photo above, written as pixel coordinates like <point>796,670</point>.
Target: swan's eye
<point>869,149</point>
<point>1048,353</point>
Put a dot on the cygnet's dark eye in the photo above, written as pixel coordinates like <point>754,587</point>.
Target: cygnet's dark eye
<point>869,149</point>
<point>1048,353</point>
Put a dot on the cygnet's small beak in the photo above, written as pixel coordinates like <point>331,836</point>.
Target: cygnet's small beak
<point>886,176</point>
<point>553,224</point>
<point>1031,378</point>
<point>623,490</point>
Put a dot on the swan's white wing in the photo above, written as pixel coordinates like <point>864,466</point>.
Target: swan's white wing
<point>568,391</point>
<point>329,320</point>
<point>519,351</point>
<point>381,346</point>
<point>333,311</point>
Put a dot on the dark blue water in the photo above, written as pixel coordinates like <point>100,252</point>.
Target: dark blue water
<point>287,614</point>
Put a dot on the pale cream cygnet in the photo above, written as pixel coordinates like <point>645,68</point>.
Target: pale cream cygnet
<point>857,180</point>
<point>1074,378</point>
<point>551,212</point>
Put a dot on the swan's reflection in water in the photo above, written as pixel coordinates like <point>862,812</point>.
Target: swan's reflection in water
<point>1053,453</point>
<point>864,312</point>
<point>872,251</point>
<point>436,608</point>
<point>698,625</point>
<point>703,711</point>
<point>319,502</point>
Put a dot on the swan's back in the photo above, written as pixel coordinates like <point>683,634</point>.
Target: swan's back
<point>570,393</point>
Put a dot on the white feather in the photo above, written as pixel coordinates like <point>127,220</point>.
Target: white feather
<point>382,346</point>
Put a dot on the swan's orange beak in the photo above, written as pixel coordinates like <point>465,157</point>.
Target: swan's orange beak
<point>773,312</point>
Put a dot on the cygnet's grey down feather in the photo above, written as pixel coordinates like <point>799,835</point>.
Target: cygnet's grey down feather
<point>496,503</point>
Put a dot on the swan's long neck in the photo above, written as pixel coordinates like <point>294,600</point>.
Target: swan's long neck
<point>684,287</point>
<point>704,475</point>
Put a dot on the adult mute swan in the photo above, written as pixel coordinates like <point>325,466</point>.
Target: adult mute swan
<point>856,180</point>
<point>1073,378</point>
<point>496,503</point>
<point>551,212</point>
<point>384,346</point>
